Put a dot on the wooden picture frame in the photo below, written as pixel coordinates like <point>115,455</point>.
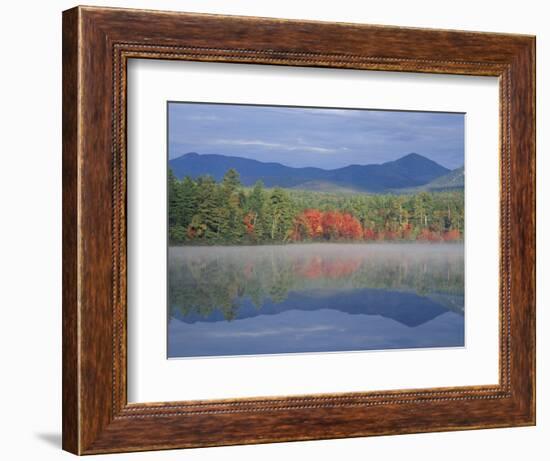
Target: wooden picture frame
<point>97,43</point>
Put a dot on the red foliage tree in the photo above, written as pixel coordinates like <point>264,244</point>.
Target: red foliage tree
<point>428,235</point>
<point>452,235</point>
<point>389,235</point>
<point>307,225</point>
<point>332,224</point>
<point>369,234</point>
<point>350,227</point>
<point>407,231</point>
<point>314,219</point>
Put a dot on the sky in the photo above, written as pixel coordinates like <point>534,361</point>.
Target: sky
<point>322,137</point>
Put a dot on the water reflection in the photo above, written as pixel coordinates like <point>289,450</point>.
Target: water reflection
<point>314,298</point>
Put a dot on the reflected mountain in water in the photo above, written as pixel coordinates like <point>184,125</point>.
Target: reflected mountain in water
<point>406,308</point>
<point>396,292</point>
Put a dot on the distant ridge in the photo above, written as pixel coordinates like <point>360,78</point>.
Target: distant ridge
<point>454,180</point>
<point>410,171</point>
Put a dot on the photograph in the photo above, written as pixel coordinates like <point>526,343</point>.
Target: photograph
<point>313,229</point>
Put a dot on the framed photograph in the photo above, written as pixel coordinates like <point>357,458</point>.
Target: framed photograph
<point>281,230</point>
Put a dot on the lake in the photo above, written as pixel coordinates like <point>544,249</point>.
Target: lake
<point>281,299</point>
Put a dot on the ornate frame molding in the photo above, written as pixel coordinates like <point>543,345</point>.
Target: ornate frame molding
<point>98,43</point>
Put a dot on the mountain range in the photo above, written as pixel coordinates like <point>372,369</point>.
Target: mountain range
<point>411,172</point>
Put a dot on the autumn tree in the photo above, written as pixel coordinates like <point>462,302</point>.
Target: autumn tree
<point>350,227</point>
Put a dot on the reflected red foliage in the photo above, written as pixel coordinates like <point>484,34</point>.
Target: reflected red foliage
<point>317,267</point>
<point>248,270</point>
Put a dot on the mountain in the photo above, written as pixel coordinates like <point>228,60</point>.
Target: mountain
<point>449,181</point>
<point>272,174</point>
<point>410,171</point>
<point>454,180</point>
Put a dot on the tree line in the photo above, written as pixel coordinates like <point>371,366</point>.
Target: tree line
<point>203,211</point>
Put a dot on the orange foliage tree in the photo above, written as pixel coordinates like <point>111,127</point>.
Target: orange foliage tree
<point>329,225</point>
<point>428,235</point>
<point>452,235</point>
<point>313,224</point>
<point>369,234</point>
<point>351,227</point>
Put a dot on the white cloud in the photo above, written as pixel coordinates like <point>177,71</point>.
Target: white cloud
<point>202,118</point>
<point>276,145</point>
<point>272,332</point>
<point>347,113</point>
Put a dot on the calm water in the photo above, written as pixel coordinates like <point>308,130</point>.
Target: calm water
<point>314,298</point>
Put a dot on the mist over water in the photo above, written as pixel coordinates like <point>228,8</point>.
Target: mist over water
<point>247,300</point>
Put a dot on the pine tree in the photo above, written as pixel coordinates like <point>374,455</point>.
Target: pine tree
<point>209,208</point>
<point>233,206</point>
<point>280,215</point>
<point>256,206</point>
<point>188,201</point>
<point>176,227</point>
<point>174,199</point>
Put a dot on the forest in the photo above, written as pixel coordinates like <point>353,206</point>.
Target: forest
<point>205,212</point>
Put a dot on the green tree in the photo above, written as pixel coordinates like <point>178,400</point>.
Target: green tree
<point>210,210</point>
<point>279,215</point>
<point>188,194</point>
<point>176,227</point>
<point>256,205</point>
<point>233,207</point>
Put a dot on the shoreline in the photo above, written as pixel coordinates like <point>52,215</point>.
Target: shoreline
<point>303,243</point>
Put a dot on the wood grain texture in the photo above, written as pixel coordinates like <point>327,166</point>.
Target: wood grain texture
<point>70,384</point>
<point>97,43</point>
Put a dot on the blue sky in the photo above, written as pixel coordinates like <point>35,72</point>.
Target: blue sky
<point>326,138</point>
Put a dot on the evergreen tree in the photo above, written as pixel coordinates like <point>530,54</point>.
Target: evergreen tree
<point>188,194</point>
<point>233,209</point>
<point>256,206</point>
<point>231,181</point>
<point>210,209</point>
<point>174,199</point>
<point>280,215</point>
<point>176,228</point>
